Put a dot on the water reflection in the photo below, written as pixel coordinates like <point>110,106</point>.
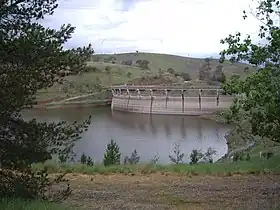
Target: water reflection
<point>199,130</point>
<point>183,128</point>
<point>152,125</point>
<point>149,134</point>
<point>167,129</point>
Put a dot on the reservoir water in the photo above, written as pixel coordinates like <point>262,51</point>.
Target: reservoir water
<point>150,135</point>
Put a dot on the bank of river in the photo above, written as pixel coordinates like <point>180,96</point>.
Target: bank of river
<point>149,135</point>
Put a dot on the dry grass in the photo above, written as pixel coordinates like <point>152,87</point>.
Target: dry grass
<point>174,191</point>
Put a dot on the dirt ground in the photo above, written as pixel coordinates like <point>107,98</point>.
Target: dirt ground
<point>169,191</point>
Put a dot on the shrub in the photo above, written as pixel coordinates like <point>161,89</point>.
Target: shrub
<point>86,160</point>
<point>83,159</point>
<point>177,155</point>
<point>127,62</point>
<point>112,155</point>
<point>185,76</point>
<point>89,161</point>
<point>144,64</point>
<point>107,68</point>
<point>246,69</point>
<point>160,71</point>
<point>266,155</point>
<point>219,75</point>
<point>129,74</point>
<point>195,156</point>
<point>241,156</point>
<point>171,70</point>
<point>208,155</point>
<point>155,159</point>
<point>133,159</point>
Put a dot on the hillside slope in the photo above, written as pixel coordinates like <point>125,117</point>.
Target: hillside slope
<point>178,63</point>
<point>105,70</point>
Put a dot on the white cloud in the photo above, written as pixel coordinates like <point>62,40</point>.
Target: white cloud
<point>179,26</point>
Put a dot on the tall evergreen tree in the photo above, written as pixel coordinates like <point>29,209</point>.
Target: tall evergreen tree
<point>31,58</point>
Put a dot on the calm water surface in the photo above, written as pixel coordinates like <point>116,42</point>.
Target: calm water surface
<point>149,135</point>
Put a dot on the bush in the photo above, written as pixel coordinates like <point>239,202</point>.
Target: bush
<point>112,155</point>
<point>129,74</point>
<point>185,76</point>
<point>219,75</point>
<point>267,155</point>
<point>133,159</point>
<point>144,64</point>
<point>241,156</point>
<point>127,62</point>
<point>83,159</point>
<point>89,161</point>
<point>155,159</point>
<point>246,69</point>
<point>86,160</point>
<point>208,155</point>
<point>107,68</point>
<point>177,155</point>
<point>171,70</point>
<point>195,156</point>
<point>160,71</point>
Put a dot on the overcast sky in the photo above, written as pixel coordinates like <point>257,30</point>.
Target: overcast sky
<point>183,27</point>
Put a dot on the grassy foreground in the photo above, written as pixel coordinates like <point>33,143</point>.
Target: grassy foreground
<point>16,204</point>
<point>175,186</point>
<point>254,166</point>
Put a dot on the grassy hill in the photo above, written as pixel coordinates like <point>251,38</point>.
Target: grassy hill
<point>105,70</point>
<point>178,63</point>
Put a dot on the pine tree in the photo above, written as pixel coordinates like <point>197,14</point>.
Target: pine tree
<point>112,155</point>
<point>32,58</point>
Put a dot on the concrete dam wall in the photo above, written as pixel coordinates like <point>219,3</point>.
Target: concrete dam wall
<point>169,101</point>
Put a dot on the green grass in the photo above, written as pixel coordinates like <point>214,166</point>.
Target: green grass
<point>254,166</point>
<point>17,204</point>
<point>84,83</point>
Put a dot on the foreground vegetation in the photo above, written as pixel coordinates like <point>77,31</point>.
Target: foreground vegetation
<point>17,204</point>
<point>254,166</point>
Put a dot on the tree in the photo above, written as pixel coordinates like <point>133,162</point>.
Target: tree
<point>83,159</point>
<point>127,62</point>
<point>31,58</point>
<point>195,156</point>
<point>178,156</point>
<point>204,71</point>
<point>144,64</point>
<point>133,159</point>
<point>208,155</point>
<point>218,74</point>
<point>185,76</point>
<point>129,74</point>
<point>112,155</point>
<point>260,101</point>
<point>171,71</point>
